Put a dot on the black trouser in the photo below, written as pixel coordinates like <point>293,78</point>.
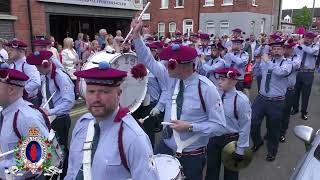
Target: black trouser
<point>61,125</point>
<point>287,111</point>
<point>273,110</point>
<point>150,123</point>
<point>303,85</point>
<point>215,147</point>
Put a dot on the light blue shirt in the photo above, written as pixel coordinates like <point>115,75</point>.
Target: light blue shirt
<point>155,89</point>
<point>279,77</point>
<point>262,50</point>
<point>64,97</point>
<point>295,62</point>
<point>27,118</point>
<point>311,58</point>
<point>107,162</point>
<point>237,61</point>
<point>57,62</point>
<point>34,82</point>
<point>243,123</point>
<point>211,65</point>
<point>211,122</point>
<point>204,50</point>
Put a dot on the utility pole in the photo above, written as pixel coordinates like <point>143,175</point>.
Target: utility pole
<point>312,14</point>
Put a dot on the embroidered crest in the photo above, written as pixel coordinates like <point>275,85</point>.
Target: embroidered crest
<point>218,105</point>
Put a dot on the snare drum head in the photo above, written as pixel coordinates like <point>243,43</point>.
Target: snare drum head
<point>133,90</point>
<point>168,167</point>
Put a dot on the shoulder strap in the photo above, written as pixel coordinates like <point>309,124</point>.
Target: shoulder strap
<point>235,112</point>
<point>53,76</point>
<point>23,66</point>
<point>201,97</point>
<point>15,128</point>
<point>45,117</point>
<point>121,148</point>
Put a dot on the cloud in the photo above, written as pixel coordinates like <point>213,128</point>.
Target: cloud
<point>297,4</point>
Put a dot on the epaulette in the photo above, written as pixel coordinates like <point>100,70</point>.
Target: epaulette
<point>132,124</point>
<point>86,116</point>
<point>243,96</point>
<point>205,80</point>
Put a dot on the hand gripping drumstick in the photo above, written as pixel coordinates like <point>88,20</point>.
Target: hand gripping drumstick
<point>49,99</point>
<point>143,11</point>
<point>142,120</point>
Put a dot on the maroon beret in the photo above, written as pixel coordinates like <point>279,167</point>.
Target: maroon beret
<point>275,36</point>
<point>16,44</point>
<point>160,44</point>
<point>103,75</point>
<point>204,36</point>
<point>39,57</point>
<point>230,73</point>
<point>237,30</point>
<point>41,42</point>
<point>153,45</point>
<point>217,46</point>
<point>277,42</point>
<point>178,33</point>
<point>12,76</point>
<point>239,40</point>
<point>310,35</point>
<point>180,53</point>
<point>290,43</point>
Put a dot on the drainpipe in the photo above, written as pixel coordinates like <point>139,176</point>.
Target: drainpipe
<point>199,7</point>
<point>30,23</point>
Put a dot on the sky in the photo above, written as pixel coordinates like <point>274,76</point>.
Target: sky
<point>297,4</point>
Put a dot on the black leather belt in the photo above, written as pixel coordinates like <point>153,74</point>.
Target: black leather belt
<point>290,88</point>
<point>278,98</point>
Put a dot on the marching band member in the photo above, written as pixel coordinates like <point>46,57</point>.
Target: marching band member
<point>17,60</point>
<point>193,106</point>
<point>237,58</point>
<point>57,84</point>
<point>238,117</point>
<point>215,62</point>
<point>295,60</point>
<point>119,148</point>
<point>236,33</point>
<point>308,52</point>
<point>15,110</point>
<point>271,99</point>
<point>204,48</point>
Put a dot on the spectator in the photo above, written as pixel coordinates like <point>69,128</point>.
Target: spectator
<point>53,49</point>
<point>109,44</point>
<point>70,57</point>
<point>60,48</point>
<point>117,40</point>
<point>102,38</point>
<point>78,44</point>
<point>3,52</point>
<point>94,47</point>
<point>85,47</point>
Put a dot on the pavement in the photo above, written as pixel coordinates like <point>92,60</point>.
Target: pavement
<point>289,153</point>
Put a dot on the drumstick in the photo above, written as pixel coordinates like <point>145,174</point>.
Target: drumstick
<point>166,123</point>
<point>7,153</point>
<point>142,120</point>
<point>48,100</point>
<point>143,11</point>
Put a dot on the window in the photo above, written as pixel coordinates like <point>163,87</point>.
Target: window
<point>252,26</point>
<point>210,28</point>
<point>179,3</point>
<point>161,29</point>
<point>164,4</point>
<point>287,19</point>
<point>187,26</point>
<point>4,6</point>
<point>209,3</point>
<point>224,28</point>
<point>227,2</point>
<point>254,3</point>
<point>263,22</point>
<point>172,27</point>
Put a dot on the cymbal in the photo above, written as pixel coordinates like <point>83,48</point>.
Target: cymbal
<point>231,164</point>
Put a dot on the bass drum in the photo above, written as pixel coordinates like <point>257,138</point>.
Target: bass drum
<point>133,90</point>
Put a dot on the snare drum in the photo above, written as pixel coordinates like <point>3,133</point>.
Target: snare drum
<point>168,167</point>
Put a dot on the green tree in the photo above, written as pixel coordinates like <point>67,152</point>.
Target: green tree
<point>303,17</point>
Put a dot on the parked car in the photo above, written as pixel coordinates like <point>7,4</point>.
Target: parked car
<point>309,166</point>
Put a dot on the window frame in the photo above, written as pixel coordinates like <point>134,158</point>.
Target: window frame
<point>227,22</point>
<point>211,26</point>
<point>254,3</point>
<point>169,26</point>
<point>162,7</point>
<point>177,5</point>
<point>227,3</point>
<point>164,28</point>
<point>208,5</point>
<point>185,26</point>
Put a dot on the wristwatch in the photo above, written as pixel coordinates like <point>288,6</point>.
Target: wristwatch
<point>190,129</point>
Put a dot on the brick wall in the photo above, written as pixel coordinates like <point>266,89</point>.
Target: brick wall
<point>190,11</point>
<point>21,25</point>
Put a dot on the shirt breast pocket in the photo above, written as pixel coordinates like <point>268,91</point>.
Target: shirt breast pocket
<point>114,167</point>
<point>193,107</point>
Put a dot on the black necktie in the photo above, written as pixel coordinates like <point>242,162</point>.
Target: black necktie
<point>1,121</point>
<point>303,61</point>
<point>179,99</point>
<point>95,140</point>
<point>48,93</point>
<point>223,96</point>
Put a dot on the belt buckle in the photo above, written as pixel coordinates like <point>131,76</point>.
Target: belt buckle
<point>87,146</point>
<point>177,155</point>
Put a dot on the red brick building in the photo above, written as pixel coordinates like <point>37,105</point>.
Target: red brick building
<point>25,19</point>
<point>217,17</point>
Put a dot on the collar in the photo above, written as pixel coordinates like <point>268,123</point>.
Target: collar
<point>12,107</point>
<point>229,93</point>
<point>193,78</point>
<point>19,61</point>
<point>277,59</point>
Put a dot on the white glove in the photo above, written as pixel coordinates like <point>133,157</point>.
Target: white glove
<point>155,111</point>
